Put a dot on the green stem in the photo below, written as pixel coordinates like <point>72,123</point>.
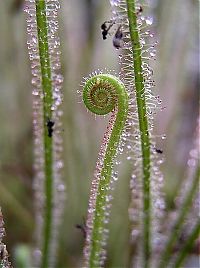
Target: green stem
<point>42,29</point>
<point>143,125</point>
<point>165,258</point>
<point>183,253</point>
<point>108,92</point>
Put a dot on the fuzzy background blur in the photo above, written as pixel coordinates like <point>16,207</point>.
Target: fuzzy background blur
<point>176,73</point>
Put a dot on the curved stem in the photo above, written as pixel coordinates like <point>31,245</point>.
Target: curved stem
<point>188,246</point>
<point>112,83</point>
<point>42,30</point>
<point>165,258</point>
<point>143,125</point>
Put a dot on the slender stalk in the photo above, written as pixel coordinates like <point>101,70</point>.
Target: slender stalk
<point>165,258</point>
<point>143,125</point>
<point>42,30</point>
<point>187,246</point>
<point>102,94</point>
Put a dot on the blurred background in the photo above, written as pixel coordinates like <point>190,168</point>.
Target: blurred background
<point>83,51</point>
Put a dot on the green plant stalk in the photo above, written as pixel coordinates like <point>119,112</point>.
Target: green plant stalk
<point>166,255</point>
<point>45,66</point>
<point>143,125</point>
<point>183,253</point>
<point>106,172</point>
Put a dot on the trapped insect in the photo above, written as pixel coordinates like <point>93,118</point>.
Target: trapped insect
<point>50,125</point>
<point>82,227</point>
<point>159,151</point>
<point>105,29</point>
<point>118,38</point>
<point>140,10</point>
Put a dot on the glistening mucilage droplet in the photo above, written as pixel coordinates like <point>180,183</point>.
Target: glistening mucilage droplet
<point>102,94</point>
<point>44,52</point>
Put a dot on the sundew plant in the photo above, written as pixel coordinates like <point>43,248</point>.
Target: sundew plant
<point>117,202</point>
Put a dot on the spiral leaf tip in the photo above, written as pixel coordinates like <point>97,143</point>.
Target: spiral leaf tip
<point>101,93</point>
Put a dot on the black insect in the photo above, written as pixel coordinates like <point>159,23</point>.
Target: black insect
<point>105,27</point>
<point>50,125</point>
<point>82,227</point>
<point>159,151</point>
<point>104,30</point>
<point>118,38</point>
<point>140,10</point>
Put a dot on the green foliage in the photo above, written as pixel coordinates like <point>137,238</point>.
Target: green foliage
<point>42,29</point>
<point>143,125</point>
<point>82,50</point>
<point>102,94</point>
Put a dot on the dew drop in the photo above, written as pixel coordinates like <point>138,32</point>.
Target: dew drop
<point>113,2</point>
<point>35,92</point>
<point>133,177</point>
<point>149,21</point>
<point>152,54</point>
<point>194,153</point>
<point>61,187</point>
<point>191,162</point>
